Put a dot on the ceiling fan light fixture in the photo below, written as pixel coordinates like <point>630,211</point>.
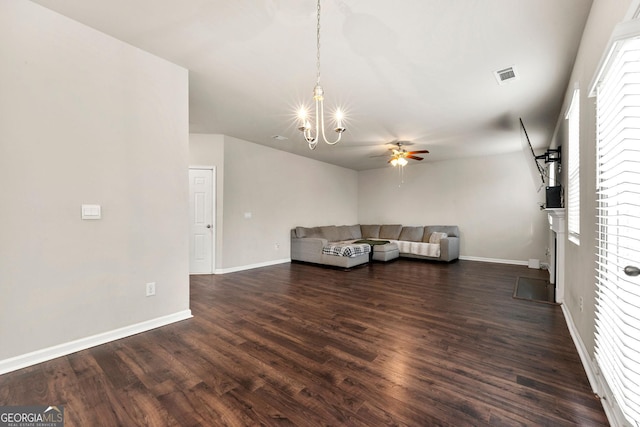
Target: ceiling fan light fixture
<point>400,156</point>
<point>399,159</point>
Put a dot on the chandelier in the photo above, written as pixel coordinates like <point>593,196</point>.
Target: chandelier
<point>318,96</point>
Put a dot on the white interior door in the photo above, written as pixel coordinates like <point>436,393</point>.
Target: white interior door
<point>202,226</point>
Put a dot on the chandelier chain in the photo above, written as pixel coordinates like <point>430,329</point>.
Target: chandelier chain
<point>318,46</point>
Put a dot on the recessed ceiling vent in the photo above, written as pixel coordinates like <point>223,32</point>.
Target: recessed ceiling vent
<point>506,75</point>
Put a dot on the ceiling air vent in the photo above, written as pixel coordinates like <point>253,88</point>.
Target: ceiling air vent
<point>506,75</point>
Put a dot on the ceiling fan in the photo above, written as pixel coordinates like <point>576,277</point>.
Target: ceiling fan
<point>400,155</point>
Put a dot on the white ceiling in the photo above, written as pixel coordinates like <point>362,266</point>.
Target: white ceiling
<point>414,70</point>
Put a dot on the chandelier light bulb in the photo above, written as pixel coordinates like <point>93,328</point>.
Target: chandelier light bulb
<point>304,124</point>
<point>339,127</point>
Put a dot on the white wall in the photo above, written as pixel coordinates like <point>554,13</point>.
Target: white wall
<point>580,260</point>
<point>492,199</point>
<point>280,190</point>
<point>85,118</point>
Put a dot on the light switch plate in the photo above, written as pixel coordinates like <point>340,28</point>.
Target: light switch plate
<point>91,212</point>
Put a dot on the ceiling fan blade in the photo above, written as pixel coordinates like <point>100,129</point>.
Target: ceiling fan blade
<point>418,151</point>
<point>415,157</point>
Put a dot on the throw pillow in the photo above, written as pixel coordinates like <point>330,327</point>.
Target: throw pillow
<point>436,236</point>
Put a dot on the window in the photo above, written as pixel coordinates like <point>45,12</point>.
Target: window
<point>617,336</point>
<point>573,187</point>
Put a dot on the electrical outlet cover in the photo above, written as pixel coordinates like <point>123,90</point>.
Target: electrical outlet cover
<point>151,289</point>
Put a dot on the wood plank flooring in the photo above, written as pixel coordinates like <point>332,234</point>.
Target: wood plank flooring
<point>407,343</point>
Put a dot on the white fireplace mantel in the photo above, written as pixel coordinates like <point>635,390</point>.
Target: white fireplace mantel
<point>556,257</point>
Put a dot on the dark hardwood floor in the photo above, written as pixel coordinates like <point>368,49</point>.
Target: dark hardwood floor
<point>405,343</point>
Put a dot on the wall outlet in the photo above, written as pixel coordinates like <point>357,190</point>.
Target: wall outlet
<point>581,303</point>
<point>151,289</point>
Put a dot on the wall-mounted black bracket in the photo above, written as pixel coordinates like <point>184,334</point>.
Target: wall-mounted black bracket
<point>551,155</point>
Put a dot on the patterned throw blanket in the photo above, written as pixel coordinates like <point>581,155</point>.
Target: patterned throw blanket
<point>348,250</point>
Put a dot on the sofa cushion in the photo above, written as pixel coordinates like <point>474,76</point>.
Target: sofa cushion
<point>390,231</point>
<point>356,233</point>
<point>344,232</point>
<point>412,234</point>
<point>302,232</point>
<point>330,232</point>
<point>370,231</point>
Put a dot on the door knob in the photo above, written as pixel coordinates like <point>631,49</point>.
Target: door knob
<point>208,225</point>
<point>631,270</point>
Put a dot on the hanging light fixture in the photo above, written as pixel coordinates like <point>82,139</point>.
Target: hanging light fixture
<point>399,158</point>
<point>318,97</point>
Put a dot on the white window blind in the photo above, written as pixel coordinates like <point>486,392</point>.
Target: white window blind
<point>617,338</point>
<point>573,187</point>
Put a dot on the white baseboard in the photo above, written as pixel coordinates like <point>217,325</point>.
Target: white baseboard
<point>495,260</point>
<point>582,350</point>
<point>597,382</point>
<point>251,266</point>
<point>286,260</point>
<point>543,265</point>
<point>60,350</point>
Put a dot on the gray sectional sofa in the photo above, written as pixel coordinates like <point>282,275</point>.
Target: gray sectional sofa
<point>339,246</point>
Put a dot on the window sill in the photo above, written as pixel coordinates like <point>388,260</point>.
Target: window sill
<point>575,239</point>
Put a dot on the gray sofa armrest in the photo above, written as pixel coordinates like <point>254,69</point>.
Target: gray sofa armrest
<point>449,248</point>
<point>308,249</point>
